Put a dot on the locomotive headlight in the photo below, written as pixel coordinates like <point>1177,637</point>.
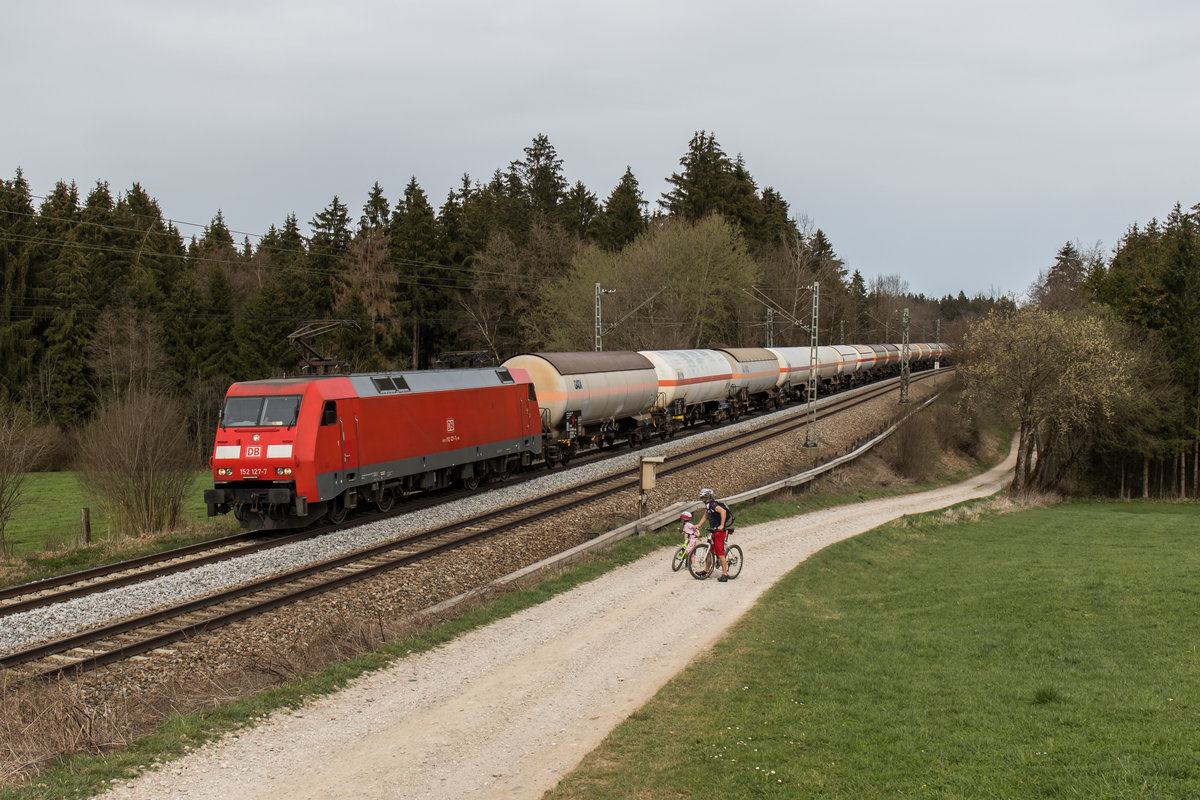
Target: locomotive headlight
<point>224,471</point>
<point>283,470</point>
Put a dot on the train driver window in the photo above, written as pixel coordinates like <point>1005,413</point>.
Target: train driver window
<point>329,413</point>
<point>282,410</point>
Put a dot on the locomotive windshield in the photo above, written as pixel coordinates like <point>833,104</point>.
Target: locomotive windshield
<point>260,412</point>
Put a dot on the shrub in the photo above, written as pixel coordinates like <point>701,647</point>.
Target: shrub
<point>134,457</point>
<point>914,452</point>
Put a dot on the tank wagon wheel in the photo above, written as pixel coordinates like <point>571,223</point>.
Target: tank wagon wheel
<point>337,511</point>
<point>385,500</point>
<point>635,441</point>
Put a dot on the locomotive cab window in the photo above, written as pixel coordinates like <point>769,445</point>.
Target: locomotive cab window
<point>329,413</point>
<point>260,412</point>
<point>281,411</point>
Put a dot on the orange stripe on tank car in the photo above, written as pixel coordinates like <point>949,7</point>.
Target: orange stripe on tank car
<point>553,397</point>
<point>693,381</point>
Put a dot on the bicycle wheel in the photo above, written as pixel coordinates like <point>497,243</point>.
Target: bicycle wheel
<point>733,557</point>
<point>678,559</point>
<point>700,562</point>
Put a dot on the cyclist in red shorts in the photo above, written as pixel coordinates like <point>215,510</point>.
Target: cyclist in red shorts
<point>717,513</point>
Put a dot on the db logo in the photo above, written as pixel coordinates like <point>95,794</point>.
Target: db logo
<point>449,425</point>
<point>254,451</point>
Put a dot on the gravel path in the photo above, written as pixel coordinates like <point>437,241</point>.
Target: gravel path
<point>505,711</point>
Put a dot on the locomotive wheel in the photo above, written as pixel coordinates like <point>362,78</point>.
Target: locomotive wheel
<point>385,500</point>
<point>471,483</point>
<point>337,511</point>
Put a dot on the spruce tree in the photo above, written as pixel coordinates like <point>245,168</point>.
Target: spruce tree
<point>699,189</point>
<point>18,347</point>
<point>579,211</point>
<point>328,246</point>
<point>65,378</point>
<point>623,218</point>
<point>424,290</point>
<point>539,178</point>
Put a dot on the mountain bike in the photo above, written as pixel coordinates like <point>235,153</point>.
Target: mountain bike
<point>703,562</point>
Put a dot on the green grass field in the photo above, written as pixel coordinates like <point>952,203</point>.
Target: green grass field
<point>1046,653</point>
<point>45,530</point>
<point>50,510</point>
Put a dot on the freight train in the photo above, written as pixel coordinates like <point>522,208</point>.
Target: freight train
<point>290,451</point>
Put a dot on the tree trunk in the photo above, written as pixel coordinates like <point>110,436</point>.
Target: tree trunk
<point>1145,477</point>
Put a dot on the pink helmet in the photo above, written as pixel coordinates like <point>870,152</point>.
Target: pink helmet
<point>686,515</point>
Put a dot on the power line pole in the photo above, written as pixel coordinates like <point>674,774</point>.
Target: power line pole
<point>904,370</point>
<point>810,429</point>
<point>599,329</point>
<point>770,327</point>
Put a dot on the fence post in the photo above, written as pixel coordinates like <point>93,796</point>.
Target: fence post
<point>85,526</point>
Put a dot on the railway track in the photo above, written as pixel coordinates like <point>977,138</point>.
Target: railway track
<point>158,629</point>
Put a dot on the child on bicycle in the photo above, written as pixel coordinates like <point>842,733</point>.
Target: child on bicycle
<point>689,530</point>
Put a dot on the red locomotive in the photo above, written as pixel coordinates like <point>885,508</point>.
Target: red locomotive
<point>290,450</point>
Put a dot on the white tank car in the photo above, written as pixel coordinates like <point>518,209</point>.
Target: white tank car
<point>755,369</point>
<point>595,388</point>
<point>794,364</point>
<point>850,358</point>
<point>881,356</point>
<point>866,358</point>
<point>694,376</point>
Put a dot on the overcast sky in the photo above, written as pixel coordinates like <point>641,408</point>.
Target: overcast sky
<point>957,144</point>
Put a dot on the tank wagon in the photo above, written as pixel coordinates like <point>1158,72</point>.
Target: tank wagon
<point>693,385</point>
<point>288,451</point>
<point>795,364</point>
<point>589,398</point>
<point>755,385</point>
